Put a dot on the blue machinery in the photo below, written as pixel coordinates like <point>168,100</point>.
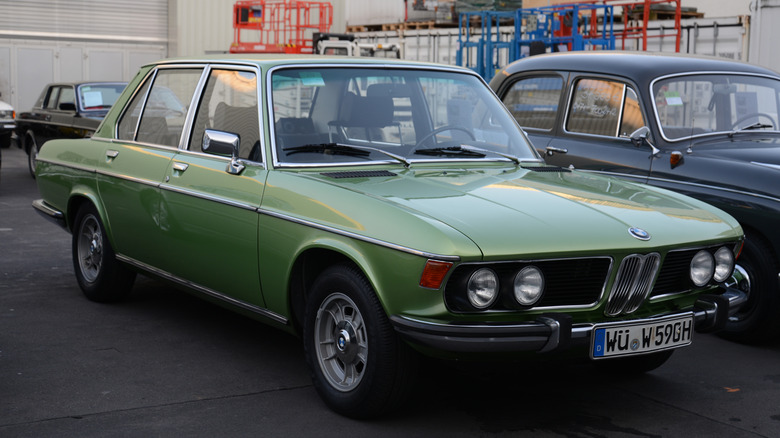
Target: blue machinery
<point>484,47</point>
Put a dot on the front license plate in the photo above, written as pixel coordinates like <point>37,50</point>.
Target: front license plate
<point>643,336</point>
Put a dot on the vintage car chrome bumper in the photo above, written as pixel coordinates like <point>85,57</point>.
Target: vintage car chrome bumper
<point>550,332</point>
<point>49,212</point>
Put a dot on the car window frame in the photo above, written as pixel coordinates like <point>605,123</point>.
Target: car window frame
<point>150,78</point>
<point>575,78</point>
<point>562,99</point>
<point>198,96</point>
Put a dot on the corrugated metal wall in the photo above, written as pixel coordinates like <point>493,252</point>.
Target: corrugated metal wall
<point>43,41</point>
<point>137,20</point>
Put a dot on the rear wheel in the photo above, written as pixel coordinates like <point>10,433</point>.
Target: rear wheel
<point>32,152</point>
<point>756,275</point>
<point>358,364</point>
<point>100,275</point>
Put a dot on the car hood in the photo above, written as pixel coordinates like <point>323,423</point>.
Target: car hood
<point>747,147</point>
<point>531,212</point>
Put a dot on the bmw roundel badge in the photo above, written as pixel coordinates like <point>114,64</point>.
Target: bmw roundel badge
<point>639,233</point>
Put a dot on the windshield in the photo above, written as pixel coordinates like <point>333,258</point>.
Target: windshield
<point>363,115</point>
<point>99,96</point>
<point>703,104</point>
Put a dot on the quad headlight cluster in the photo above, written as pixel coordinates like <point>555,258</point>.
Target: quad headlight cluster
<point>483,287</point>
<point>707,266</point>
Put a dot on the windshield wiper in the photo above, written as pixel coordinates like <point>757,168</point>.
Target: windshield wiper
<point>465,150</point>
<point>343,149</point>
<point>757,125</point>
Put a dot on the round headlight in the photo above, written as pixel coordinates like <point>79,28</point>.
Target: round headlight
<point>482,288</point>
<point>529,285</point>
<point>702,268</point>
<point>724,264</point>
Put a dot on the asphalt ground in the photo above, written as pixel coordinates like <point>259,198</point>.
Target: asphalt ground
<point>165,364</point>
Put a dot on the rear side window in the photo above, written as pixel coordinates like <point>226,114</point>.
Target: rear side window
<point>534,101</point>
<point>162,109</point>
<point>604,107</point>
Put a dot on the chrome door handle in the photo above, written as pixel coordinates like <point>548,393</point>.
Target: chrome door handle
<point>112,154</point>
<point>181,167</point>
<point>551,150</point>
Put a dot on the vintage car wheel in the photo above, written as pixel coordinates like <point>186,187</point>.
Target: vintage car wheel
<point>100,275</point>
<point>756,320</point>
<point>359,366</point>
<point>635,364</point>
<point>32,152</point>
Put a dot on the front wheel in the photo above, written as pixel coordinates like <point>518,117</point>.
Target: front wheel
<point>756,275</point>
<point>359,366</point>
<point>100,275</point>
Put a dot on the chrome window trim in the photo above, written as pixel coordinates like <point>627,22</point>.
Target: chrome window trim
<point>184,143</point>
<point>569,98</point>
<point>699,73</point>
<point>379,66</point>
<point>307,223</point>
<point>204,290</point>
<point>590,306</point>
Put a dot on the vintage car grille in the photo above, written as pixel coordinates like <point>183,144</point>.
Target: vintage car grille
<point>568,282</point>
<point>633,283</point>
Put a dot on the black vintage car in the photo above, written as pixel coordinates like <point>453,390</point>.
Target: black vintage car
<point>700,126</point>
<point>65,110</point>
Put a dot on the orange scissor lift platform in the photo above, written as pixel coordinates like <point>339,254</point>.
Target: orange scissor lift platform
<point>278,26</point>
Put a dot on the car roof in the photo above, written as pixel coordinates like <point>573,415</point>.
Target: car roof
<point>641,66</point>
<point>271,60</point>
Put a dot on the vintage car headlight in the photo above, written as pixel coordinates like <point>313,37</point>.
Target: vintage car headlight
<point>702,268</point>
<point>724,264</point>
<point>482,288</point>
<point>529,285</point>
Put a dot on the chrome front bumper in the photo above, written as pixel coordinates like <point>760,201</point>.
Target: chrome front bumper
<point>551,332</point>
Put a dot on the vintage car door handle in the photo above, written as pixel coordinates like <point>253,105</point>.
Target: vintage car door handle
<point>551,150</point>
<point>112,154</point>
<point>181,167</point>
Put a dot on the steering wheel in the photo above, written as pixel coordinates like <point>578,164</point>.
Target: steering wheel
<point>442,129</point>
<point>747,116</point>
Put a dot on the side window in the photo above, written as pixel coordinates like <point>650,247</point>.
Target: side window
<point>52,98</point>
<point>229,103</point>
<point>534,101</point>
<point>164,110</point>
<point>603,107</point>
<point>67,96</point>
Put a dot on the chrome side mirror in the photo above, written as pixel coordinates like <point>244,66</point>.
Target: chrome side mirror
<point>639,137</point>
<point>225,144</point>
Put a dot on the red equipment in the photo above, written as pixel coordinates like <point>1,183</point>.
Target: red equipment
<point>278,26</point>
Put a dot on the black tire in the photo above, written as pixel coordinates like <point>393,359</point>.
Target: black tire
<point>31,146</point>
<point>100,275</point>
<point>757,320</point>
<point>634,365</point>
<point>358,364</point>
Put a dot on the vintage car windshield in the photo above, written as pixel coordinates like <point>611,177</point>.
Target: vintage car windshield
<point>703,104</point>
<point>99,96</point>
<point>363,115</point>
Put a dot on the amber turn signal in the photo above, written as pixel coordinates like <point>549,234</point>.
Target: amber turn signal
<point>434,273</point>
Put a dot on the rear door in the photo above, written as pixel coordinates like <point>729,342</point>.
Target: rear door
<point>593,124</point>
<point>133,166</point>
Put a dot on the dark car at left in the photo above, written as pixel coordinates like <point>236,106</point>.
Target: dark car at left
<point>65,110</point>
